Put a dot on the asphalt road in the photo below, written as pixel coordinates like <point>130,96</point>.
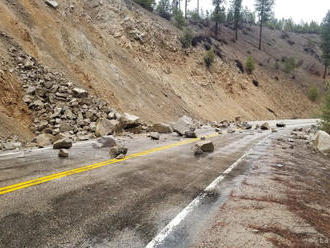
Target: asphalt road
<point>122,204</point>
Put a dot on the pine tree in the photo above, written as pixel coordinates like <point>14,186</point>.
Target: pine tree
<point>264,10</point>
<point>325,43</point>
<point>237,6</point>
<point>164,9</point>
<point>218,15</point>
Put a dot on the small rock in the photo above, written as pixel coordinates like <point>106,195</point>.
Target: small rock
<point>63,153</point>
<point>197,150</point>
<point>78,92</point>
<point>129,121</point>
<point>265,126</point>
<point>154,136</point>
<point>115,151</point>
<point>190,134</point>
<point>52,3</point>
<point>281,124</point>
<point>274,130</point>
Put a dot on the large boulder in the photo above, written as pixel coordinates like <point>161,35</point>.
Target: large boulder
<point>129,121</point>
<point>162,128</point>
<point>106,127</point>
<point>322,142</point>
<point>154,136</point>
<point>62,144</point>
<point>44,139</point>
<point>183,125</point>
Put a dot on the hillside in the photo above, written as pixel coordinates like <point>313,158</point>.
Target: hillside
<point>133,61</point>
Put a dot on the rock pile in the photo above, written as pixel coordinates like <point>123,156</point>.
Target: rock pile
<point>60,107</point>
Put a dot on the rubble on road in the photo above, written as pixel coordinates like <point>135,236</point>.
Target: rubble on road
<point>190,134</point>
<point>154,136</point>
<point>118,152</point>
<point>204,146</point>
<point>63,153</point>
<point>265,126</point>
<point>281,124</point>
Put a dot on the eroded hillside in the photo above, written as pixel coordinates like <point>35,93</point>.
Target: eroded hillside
<point>134,61</point>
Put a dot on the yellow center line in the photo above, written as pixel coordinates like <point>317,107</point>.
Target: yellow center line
<point>40,180</point>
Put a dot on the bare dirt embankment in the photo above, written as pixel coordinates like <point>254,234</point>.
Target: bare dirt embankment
<point>134,61</point>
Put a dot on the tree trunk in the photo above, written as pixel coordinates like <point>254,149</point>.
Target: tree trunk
<point>260,36</point>
<point>198,7</point>
<point>325,71</point>
<point>185,9</point>
<point>236,30</point>
<point>216,29</point>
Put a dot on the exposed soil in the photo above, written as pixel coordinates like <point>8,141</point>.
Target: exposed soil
<point>133,59</point>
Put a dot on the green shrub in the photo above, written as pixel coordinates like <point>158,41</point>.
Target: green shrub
<point>313,93</point>
<point>250,64</point>
<point>325,125</point>
<point>290,64</point>
<point>209,58</point>
<point>179,20</point>
<point>147,4</point>
<point>164,9</point>
<point>187,38</point>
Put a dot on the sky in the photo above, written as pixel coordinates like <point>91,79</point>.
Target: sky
<point>299,10</point>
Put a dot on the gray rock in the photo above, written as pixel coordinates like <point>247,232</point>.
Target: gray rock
<point>205,146</point>
<point>116,151</point>
<point>44,140</point>
<point>129,121</point>
<point>105,142</point>
<point>182,125</point>
<point>63,153</point>
<point>62,144</point>
<point>197,150</point>
<point>265,126</point>
<point>162,128</point>
<point>105,127</point>
<point>190,134</point>
<point>52,3</point>
<point>322,142</point>
<point>281,124</point>
<point>78,92</point>
<point>154,136</point>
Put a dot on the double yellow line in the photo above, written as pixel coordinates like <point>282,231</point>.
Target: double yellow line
<point>40,180</point>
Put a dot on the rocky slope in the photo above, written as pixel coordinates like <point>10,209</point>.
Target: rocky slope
<point>66,68</point>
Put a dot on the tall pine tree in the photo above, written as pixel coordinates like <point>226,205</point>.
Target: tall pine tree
<point>237,7</point>
<point>264,10</point>
<point>325,43</point>
<point>218,15</point>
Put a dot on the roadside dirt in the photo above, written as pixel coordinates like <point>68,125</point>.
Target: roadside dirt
<point>283,202</point>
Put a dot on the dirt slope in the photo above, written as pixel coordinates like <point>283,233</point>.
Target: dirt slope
<point>133,59</point>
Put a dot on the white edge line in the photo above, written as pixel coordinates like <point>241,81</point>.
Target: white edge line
<point>195,203</point>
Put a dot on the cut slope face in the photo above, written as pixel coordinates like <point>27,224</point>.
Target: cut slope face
<point>133,60</point>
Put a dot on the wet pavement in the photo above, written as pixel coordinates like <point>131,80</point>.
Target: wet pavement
<point>121,205</point>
